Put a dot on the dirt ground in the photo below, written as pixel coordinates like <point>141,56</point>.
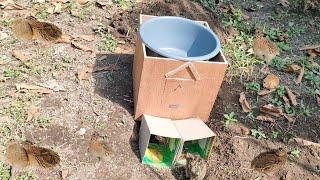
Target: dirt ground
<point>103,101</point>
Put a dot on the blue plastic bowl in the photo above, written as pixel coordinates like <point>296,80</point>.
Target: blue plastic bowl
<point>179,38</point>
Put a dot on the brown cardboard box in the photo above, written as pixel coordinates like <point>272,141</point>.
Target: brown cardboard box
<point>178,137</point>
<point>175,89</point>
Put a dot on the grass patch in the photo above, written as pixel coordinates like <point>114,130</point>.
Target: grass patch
<point>12,73</point>
<point>230,118</point>
<point>109,43</point>
<point>17,112</point>
<point>4,172</point>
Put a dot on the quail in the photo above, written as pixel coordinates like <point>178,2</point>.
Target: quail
<point>270,161</point>
<point>264,48</point>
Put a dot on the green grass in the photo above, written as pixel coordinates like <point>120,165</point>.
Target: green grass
<point>208,3</point>
<point>42,121</point>
<point>258,133</point>
<point>4,172</point>
<point>123,4</point>
<point>254,86</point>
<point>12,73</point>
<point>7,22</point>
<point>42,13</point>
<point>230,118</point>
<point>17,111</point>
<point>109,43</point>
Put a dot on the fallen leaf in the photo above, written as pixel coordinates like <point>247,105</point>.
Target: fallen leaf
<point>3,36</point>
<point>293,68</point>
<point>244,103</point>
<point>102,4</point>
<point>32,113</point>
<point>56,8</point>
<point>306,142</point>
<point>291,96</point>
<point>265,92</point>
<point>284,3</point>
<point>245,17</point>
<point>318,99</point>
<point>103,68</point>
<point>265,119</point>
<point>224,8</point>
<point>289,119</point>
<point>10,5</point>
<point>306,47</point>
<point>64,39</point>
<point>82,72</point>
<point>75,13</point>
<point>313,53</point>
<point>64,173</point>
<point>53,85</point>
<point>82,47</point>
<point>265,70</point>
<point>286,101</point>
<point>271,82</point>
<point>299,78</point>
<point>81,1</point>
<point>23,57</point>
<point>88,37</point>
<point>33,88</point>
<point>271,110</point>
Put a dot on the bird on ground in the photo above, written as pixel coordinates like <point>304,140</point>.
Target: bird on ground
<point>263,47</point>
<point>270,161</point>
<point>40,157</point>
<point>196,168</point>
<point>31,29</point>
<point>99,147</point>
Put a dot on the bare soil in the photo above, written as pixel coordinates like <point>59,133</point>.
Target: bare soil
<point>103,102</point>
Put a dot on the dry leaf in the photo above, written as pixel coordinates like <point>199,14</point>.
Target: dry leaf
<point>265,92</point>
<point>33,88</point>
<point>64,39</point>
<point>293,68</point>
<point>244,103</point>
<point>271,82</point>
<point>306,142</point>
<point>313,53</point>
<point>299,78</point>
<point>21,56</point>
<point>53,85</point>
<point>318,99</point>
<point>102,4</point>
<point>81,1</point>
<point>286,101</point>
<point>265,70</point>
<point>284,3</point>
<point>10,5</point>
<point>82,47</point>
<point>103,68</point>
<point>3,36</point>
<point>88,37</point>
<point>224,8</point>
<point>306,47</point>
<point>291,96</point>
<point>289,119</point>
<point>82,72</point>
<point>271,110</point>
<point>282,37</point>
<point>32,113</point>
<point>245,17</point>
<point>265,119</point>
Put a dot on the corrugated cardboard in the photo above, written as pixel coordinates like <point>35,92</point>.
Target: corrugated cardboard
<point>185,133</point>
<point>174,89</point>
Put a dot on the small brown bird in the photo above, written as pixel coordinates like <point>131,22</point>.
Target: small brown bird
<point>196,168</point>
<point>99,147</point>
<point>41,157</point>
<point>269,161</point>
<point>264,48</point>
<point>31,29</point>
<point>17,156</point>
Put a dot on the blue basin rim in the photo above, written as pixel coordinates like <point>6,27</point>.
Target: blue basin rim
<point>208,56</point>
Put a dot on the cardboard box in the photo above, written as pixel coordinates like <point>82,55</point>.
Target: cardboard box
<point>175,138</point>
<point>175,89</point>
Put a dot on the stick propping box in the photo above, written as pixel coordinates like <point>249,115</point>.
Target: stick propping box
<point>175,89</point>
<point>163,142</point>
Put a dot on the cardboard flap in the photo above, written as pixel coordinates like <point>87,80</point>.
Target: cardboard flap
<point>161,126</point>
<point>193,129</point>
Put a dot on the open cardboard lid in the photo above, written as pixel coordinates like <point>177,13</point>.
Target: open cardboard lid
<point>193,129</point>
<point>161,126</point>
